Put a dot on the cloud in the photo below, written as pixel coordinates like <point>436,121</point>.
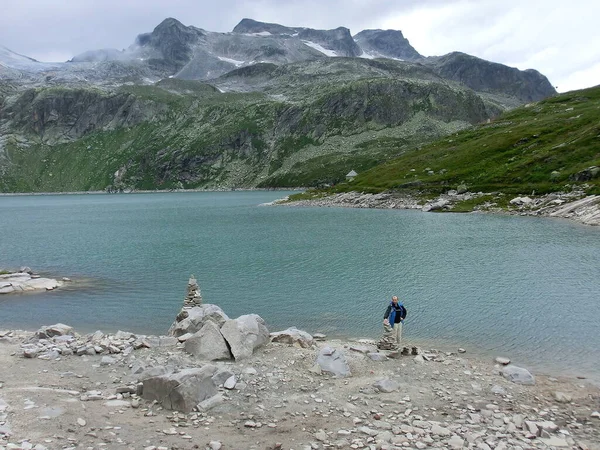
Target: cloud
<point>558,38</point>
<point>555,37</point>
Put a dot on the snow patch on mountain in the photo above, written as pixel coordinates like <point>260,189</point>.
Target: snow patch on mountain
<point>260,33</point>
<point>232,61</point>
<point>321,49</point>
<point>367,55</point>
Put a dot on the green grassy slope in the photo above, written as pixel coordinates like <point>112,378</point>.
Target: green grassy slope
<point>538,147</point>
<point>188,134</point>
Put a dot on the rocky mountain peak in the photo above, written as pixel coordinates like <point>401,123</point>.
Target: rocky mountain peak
<point>173,40</point>
<point>251,26</point>
<point>487,76</point>
<point>169,30</point>
<point>386,44</point>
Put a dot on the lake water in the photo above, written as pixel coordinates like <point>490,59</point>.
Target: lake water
<point>526,288</point>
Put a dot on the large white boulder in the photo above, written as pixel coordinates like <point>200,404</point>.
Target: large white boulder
<point>191,320</point>
<point>181,391</point>
<point>208,343</point>
<point>517,375</point>
<point>333,361</point>
<point>23,282</point>
<point>293,336</point>
<point>245,334</point>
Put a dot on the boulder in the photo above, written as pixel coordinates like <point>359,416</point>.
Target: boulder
<point>376,356</point>
<point>208,343</point>
<point>191,320</point>
<point>181,391</point>
<point>561,397</point>
<point>436,206</point>
<point>586,174</point>
<point>521,201</point>
<point>293,336</point>
<point>245,334</point>
<point>386,385</point>
<point>333,361</point>
<point>59,329</point>
<point>517,375</point>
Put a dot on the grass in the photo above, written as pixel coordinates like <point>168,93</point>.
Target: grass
<point>538,147</point>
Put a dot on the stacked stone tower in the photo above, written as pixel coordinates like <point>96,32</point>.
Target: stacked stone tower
<point>388,340</point>
<point>193,296</point>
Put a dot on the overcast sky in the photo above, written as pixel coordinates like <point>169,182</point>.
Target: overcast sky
<point>559,38</point>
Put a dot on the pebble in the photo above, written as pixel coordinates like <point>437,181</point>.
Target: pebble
<point>502,360</point>
<point>81,422</point>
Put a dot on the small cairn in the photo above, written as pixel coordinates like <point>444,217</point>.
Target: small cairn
<point>193,297</point>
<point>388,341</point>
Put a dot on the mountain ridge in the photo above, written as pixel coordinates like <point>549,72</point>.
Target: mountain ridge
<point>262,106</point>
<point>174,49</point>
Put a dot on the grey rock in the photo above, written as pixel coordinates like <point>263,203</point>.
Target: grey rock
<point>333,361</point>
<point>191,320</point>
<point>151,372</point>
<point>230,382</point>
<point>208,343</point>
<point>221,376</point>
<point>456,442</point>
<point>439,430</point>
<point>124,335</point>
<point>107,361</point>
<point>386,385</point>
<point>561,397</point>
<point>245,334</point>
<point>58,329</point>
<point>499,390</point>
<point>555,441</point>
<point>49,355</point>
<point>502,360</point>
<point>518,375</point>
<point>293,336</point>
<point>210,402</point>
<point>376,356</point>
<point>181,391</point>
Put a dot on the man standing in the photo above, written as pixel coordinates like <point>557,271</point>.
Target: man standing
<point>394,317</point>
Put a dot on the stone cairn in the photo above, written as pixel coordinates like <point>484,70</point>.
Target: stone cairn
<point>388,341</point>
<point>193,297</point>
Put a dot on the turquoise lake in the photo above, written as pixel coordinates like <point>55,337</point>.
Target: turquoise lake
<point>526,288</point>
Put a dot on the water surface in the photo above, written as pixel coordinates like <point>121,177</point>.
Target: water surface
<point>527,288</point>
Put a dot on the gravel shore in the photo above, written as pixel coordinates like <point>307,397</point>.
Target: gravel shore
<point>56,398</point>
<point>573,206</point>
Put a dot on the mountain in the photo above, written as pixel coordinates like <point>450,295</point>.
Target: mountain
<point>549,146</point>
<point>264,105</point>
<point>386,44</point>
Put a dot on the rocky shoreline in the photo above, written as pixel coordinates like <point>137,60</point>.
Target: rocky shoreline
<point>219,383</point>
<point>278,398</point>
<point>573,205</point>
<point>25,280</point>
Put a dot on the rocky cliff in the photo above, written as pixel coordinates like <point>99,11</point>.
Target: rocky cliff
<point>265,105</point>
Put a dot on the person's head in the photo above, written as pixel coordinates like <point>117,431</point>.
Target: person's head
<point>394,299</point>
